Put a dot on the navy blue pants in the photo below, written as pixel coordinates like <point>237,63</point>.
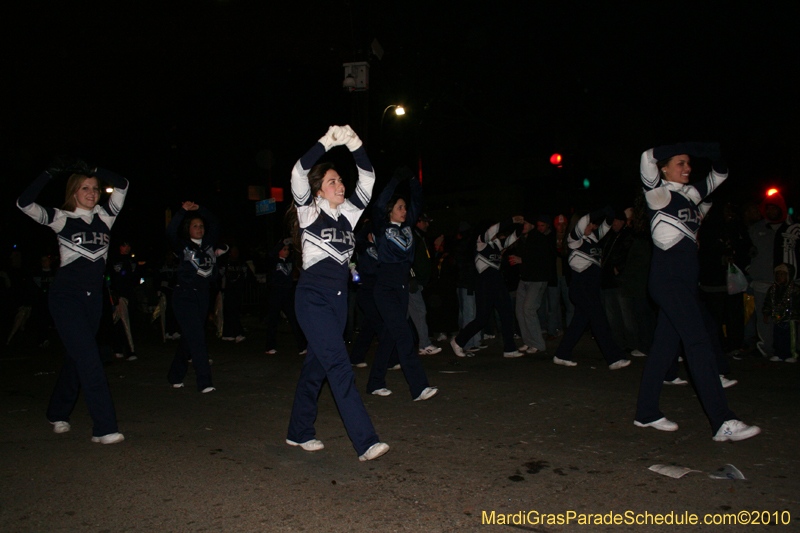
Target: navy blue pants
<point>282,299</point>
<point>391,299</point>
<point>584,291</point>
<point>681,318</point>
<point>490,293</point>
<point>191,310</point>
<point>77,317</point>
<point>322,314</point>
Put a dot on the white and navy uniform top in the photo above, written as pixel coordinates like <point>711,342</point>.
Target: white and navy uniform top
<point>585,250</point>
<point>676,209</point>
<point>83,235</point>
<point>326,235</point>
<point>395,241</point>
<point>489,248</point>
<point>198,257</point>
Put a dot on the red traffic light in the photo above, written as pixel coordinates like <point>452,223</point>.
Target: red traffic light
<point>772,191</point>
<point>555,159</point>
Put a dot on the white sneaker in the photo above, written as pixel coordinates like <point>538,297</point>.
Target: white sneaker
<point>312,445</point>
<point>239,338</point>
<point>790,360</point>
<point>430,350</point>
<point>208,389</point>
<point>457,349</point>
<point>531,350</point>
<point>727,382</point>
<point>676,381</point>
<point>177,385</point>
<point>271,352</point>
<point>775,359</point>
<point>622,363</point>
<point>381,392</point>
<point>638,353</point>
<point>111,438</point>
<point>131,357</point>
<point>360,365</point>
<point>564,362</point>
<point>734,430</point>
<point>662,424</point>
<point>304,352</point>
<point>523,348</point>
<point>61,426</point>
<point>515,353</point>
<point>429,392</point>
<point>395,367</point>
<point>119,355</point>
<point>374,451</point>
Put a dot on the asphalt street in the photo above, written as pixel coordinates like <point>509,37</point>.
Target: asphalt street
<point>506,442</point>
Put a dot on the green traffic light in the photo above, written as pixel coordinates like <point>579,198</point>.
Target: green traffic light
<point>586,183</point>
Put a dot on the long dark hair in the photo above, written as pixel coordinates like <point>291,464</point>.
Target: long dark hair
<point>315,176</point>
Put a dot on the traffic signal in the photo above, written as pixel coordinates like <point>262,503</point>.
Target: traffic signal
<point>772,191</point>
<point>555,159</point>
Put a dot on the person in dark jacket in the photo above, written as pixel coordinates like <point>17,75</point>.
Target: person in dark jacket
<point>616,246</point>
<point>537,256</point>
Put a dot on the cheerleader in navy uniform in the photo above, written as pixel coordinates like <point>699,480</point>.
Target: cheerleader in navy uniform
<point>584,291</point>
<point>676,210</point>
<point>197,253</point>
<point>83,227</point>
<point>281,298</point>
<point>395,243</point>
<point>322,222</point>
<point>490,289</point>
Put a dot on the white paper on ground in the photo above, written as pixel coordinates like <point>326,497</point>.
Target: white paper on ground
<point>676,472</point>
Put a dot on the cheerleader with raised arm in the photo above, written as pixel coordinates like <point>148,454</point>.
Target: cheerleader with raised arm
<point>196,248</point>
<point>83,226</point>
<point>392,222</point>
<point>584,291</point>
<point>322,222</point>
<point>676,210</point>
<point>490,289</point>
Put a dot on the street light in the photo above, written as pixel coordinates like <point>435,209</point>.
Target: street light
<point>398,110</point>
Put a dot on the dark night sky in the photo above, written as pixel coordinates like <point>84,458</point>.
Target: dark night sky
<point>181,96</point>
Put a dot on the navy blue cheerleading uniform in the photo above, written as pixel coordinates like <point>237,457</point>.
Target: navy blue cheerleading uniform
<point>676,211</point>
<point>281,298</point>
<point>395,244</point>
<point>197,268</point>
<point>327,241</point>
<point>75,298</point>
<point>490,289</point>
<point>584,289</point>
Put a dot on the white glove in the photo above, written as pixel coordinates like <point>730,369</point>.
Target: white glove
<point>353,142</point>
<point>328,140</point>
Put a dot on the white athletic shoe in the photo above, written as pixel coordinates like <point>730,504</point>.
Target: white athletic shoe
<point>381,392</point>
<point>734,430</point>
<point>208,389</point>
<point>726,383</point>
<point>374,451</point>
<point>111,438</point>
<point>638,353</point>
<point>360,365</point>
<point>564,362</point>
<point>622,363</point>
<point>61,426</point>
<point>429,392</point>
<point>430,350</point>
<point>312,445</point>
<point>457,349</point>
<point>676,381</point>
<point>511,355</point>
<point>662,424</point>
